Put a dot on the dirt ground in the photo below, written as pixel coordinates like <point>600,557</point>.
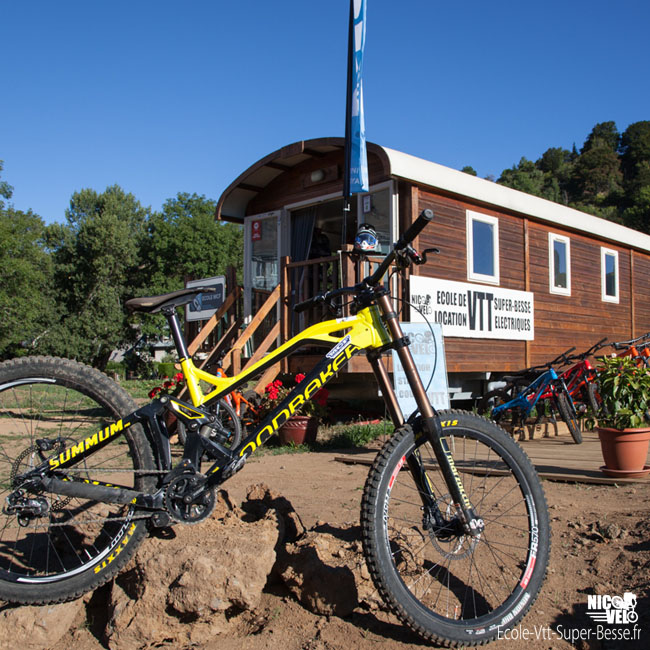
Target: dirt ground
<point>600,545</point>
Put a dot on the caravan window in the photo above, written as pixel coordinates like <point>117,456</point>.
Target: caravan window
<point>482,247</point>
<point>264,253</point>
<point>609,274</point>
<point>559,264</point>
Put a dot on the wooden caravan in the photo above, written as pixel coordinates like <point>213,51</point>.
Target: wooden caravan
<point>518,279</point>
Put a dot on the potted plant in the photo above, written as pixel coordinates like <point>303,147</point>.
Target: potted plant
<point>623,426</point>
<point>302,427</point>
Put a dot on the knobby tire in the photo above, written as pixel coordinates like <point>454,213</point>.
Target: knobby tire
<point>457,590</point>
<point>75,544</point>
<point>567,413</point>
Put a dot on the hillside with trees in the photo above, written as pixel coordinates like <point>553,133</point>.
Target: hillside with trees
<point>609,177</point>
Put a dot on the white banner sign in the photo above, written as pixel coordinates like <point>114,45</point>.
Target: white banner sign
<point>427,348</point>
<point>474,310</point>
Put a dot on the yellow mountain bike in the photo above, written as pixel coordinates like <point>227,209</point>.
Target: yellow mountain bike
<point>454,521</point>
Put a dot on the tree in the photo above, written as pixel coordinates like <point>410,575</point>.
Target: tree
<point>96,260</point>
<point>596,175</point>
<point>185,241</point>
<point>604,135</point>
<point>635,149</point>
<point>27,306</point>
<point>525,177</point>
<point>468,169</point>
<point>5,189</point>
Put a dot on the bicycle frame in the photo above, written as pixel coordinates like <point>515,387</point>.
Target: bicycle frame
<point>528,398</point>
<point>373,329</point>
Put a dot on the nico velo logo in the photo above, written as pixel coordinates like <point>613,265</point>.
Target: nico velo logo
<point>613,610</point>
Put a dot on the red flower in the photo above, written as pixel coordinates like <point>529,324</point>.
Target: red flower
<point>321,397</point>
<point>178,377</point>
<point>299,377</point>
<point>154,391</point>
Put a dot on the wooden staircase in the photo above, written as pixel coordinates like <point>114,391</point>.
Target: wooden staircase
<point>232,344</point>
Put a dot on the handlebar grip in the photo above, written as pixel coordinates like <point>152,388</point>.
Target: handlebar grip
<point>414,229</point>
<point>306,304</point>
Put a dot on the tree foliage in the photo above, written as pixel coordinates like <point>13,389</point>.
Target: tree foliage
<point>609,177</point>
<point>27,309</point>
<point>63,286</point>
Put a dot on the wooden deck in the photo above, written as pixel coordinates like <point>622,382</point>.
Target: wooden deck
<point>556,458</point>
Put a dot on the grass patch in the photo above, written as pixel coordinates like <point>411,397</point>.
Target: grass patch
<point>355,435</point>
<point>139,388</point>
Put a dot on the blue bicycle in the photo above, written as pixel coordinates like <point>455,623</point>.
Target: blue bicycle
<point>532,394</point>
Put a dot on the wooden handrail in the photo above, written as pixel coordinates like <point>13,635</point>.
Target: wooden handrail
<point>233,357</point>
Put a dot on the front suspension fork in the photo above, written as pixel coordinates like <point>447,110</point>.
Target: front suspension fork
<point>430,426</point>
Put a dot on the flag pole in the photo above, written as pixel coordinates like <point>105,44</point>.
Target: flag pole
<point>348,127</point>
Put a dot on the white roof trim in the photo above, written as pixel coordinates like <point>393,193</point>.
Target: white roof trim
<point>451,180</point>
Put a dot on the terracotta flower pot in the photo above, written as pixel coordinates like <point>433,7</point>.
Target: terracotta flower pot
<point>624,451</point>
<point>298,429</point>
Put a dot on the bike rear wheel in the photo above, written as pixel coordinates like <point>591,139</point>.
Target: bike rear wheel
<point>449,587</point>
<point>54,548</point>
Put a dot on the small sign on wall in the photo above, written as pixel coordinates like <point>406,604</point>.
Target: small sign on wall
<point>427,348</point>
<point>256,231</point>
<point>205,304</point>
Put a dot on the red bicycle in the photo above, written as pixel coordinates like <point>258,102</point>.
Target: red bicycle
<point>581,380</point>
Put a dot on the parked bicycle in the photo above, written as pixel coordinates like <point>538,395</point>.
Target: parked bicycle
<point>581,380</point>
<point>455,526</point>
<point>635,348</point>
<point>538,390</point>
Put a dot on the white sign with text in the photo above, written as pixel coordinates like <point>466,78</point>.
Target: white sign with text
<point>474,310</point>
<point>427,348</point>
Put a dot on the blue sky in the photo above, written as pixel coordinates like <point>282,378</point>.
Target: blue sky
<point>162,97</point>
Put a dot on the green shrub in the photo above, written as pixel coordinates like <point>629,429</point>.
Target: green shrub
<point>166,369</point>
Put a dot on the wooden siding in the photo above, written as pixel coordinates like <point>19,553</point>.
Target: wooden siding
<point>560,321</point>
<point>582,318</point>
<point>448,233</point>
<point>641,294</point>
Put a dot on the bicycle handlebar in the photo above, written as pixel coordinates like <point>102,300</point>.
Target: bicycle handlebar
<point>622,344</point>
<point>374,278</point>
<point>590,351</point>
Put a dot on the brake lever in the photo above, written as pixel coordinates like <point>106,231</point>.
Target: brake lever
<point>418,259</point>
<point>435,251</point>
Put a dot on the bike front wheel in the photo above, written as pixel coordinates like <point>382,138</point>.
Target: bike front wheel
<point>568,414</point>
<point>450,587</point>
<point>55,548</point>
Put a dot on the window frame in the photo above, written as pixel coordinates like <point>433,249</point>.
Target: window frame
<point>494,222</point>
<point>553,288</point>
<point>604,253</point>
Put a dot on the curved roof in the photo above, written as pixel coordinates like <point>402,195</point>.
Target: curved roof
<point>232,203</point>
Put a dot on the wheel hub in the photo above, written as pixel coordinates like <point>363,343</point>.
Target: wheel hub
<point>446,531</point>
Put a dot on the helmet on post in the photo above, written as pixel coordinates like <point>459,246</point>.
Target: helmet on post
<point>366,240</point>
